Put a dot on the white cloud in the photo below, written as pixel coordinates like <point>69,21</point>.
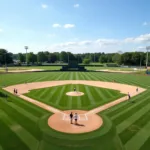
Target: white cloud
<point>140,39</point>
<point>106,45</point>
<point>107,42</point>
<point>1,30</point>
<point>76,5</point>
<point>56,25</point>
<point>103,45</point>
<point>69,26</point>
<point>44,6</point>
<point>85,42</point>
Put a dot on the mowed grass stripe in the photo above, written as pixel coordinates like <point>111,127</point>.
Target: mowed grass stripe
<point>23,120</point>
<point>20,132</point>
<point>70,76</point>
<point>125,105</point>
<point>146,145</point>
<point>85,76</point>
<point>89,94</point>
<point>70,98</point>
<point>20,110</point>
<point>66,76</point>
<point>32,109</point>
<point>100,76</point>
<point>134,102</point>
<point>60,93</point>
<point>139,139</point>
<point>77,76</point>
<point>128,133</point>
<point>131,119</point>
<point>1,148</point>
<point>9,143</point>
<point>61,76</point>
<point>80,76</point>
<point>79,104</point>
<point>63,99</point>
<point>130,111</point>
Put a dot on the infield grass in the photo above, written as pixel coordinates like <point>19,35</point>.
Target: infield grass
<point>93,96</point>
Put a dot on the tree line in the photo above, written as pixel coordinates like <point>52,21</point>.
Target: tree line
<point>127,58</point>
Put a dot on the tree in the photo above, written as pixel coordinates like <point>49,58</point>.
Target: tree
<point>32,58</point>
<point>71,56</point>
<point>102,59</point>
<point>52,58</point>
<point>64,56</point>
<point>21,57</point>
<point>86,61</point>
<point>116,58</point>
<point>126,58</point>
<point>5,57</point>
<point>41,57</point>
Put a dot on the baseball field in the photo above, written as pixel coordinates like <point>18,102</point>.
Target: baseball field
<point>25,118</point>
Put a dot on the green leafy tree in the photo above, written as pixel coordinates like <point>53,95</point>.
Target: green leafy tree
<point>41,57</point>
<point>5,57</point>
<point>32,58</point>
<point>102,59</point>
<point>86,61</point>
<point>21,57</point>
<point>116,58</point>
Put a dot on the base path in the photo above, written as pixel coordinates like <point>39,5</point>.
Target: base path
<point>88,121</point>
<point>123,88</point>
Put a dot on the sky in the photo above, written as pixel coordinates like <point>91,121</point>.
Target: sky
<point>77,26</point>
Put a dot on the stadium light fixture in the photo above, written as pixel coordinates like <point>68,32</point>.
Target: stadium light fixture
<point>26,48</point>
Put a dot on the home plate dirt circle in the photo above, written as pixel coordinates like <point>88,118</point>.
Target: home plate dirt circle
<point>86,123</point>
<point>74,93</point>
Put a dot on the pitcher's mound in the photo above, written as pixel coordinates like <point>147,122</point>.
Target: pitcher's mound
<point>86,123</point>
<point>74,93</point>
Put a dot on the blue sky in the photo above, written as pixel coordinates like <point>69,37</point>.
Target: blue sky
<point>78,26</point>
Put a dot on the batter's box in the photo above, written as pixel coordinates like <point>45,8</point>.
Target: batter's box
<point>82,117</point>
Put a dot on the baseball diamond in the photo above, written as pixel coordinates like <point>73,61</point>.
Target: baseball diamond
<point>104,111</point>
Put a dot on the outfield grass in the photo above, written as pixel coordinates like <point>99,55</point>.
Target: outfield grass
<point>93,96</point>
<point>19,120</point>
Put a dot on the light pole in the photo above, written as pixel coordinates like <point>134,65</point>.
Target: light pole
<point>26,47</point>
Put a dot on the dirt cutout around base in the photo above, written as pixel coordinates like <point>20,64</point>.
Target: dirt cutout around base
<point>75,93</point>
<point>61,122</point>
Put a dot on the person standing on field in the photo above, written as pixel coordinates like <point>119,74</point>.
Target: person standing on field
<point>14,91</point>
<point>71,117</point>
<point>129,96</point>
<point>76,118</point>
<point>137,89</point>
